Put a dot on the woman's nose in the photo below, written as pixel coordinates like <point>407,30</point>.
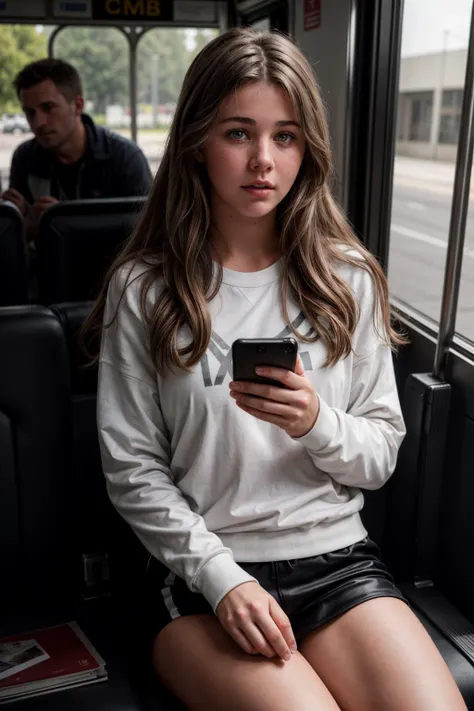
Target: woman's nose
<point>262,158</point>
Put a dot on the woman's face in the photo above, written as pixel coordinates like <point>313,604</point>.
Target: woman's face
<point>256,141</point>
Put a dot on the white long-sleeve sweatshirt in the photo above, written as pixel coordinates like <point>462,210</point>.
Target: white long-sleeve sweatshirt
<point>205,485</point>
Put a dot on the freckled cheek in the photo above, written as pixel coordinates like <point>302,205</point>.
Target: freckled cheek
<point>225,162</point>
<point>290,169</point>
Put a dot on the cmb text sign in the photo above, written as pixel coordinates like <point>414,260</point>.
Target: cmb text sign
<point>133,10</point>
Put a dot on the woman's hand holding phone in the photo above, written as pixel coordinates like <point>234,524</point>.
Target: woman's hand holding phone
<point>294,408</point>
<point>256,622</point>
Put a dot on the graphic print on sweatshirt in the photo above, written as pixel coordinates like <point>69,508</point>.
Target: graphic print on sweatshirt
<point>220,351</point>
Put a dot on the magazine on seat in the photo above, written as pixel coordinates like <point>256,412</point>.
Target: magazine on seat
<point>47,660</point>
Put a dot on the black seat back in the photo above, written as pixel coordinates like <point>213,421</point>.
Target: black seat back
<point>71,317</point>
<point>13,258</point>
<point>77,242</point>
<point>106,541</point>
<point>374,515</point>
<point>379,506</point>
<point>37,522</point>
<point>39,525</point>
<point>392,514</point>
<point>92,500</point>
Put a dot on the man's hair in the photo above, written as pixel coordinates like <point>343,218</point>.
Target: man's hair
<point>62,74</point>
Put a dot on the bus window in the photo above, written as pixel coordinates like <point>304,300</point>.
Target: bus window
<point>19,45</point>
<point>163,56</point>
<point>432,71</point>
<point>101,56</point>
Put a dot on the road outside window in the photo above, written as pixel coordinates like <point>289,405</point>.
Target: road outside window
<point>432,71</point>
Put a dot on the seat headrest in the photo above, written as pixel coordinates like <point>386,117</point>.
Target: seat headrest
<point>77,242</point>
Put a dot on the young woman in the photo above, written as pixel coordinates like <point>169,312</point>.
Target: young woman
<point>249,494</point>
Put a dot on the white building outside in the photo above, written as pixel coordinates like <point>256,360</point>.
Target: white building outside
<point>429,104</point>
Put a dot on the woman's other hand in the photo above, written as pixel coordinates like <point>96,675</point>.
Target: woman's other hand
<point>256,622</point>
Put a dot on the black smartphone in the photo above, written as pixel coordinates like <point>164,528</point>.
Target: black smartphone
<point>248,353</point>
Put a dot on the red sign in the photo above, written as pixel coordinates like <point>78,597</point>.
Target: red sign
<point>312,14</point>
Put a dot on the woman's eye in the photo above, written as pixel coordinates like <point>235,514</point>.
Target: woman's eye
<point>237,133</point>
<point>288,136</point>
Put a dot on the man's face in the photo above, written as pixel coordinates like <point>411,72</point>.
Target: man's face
<point>51,116</point>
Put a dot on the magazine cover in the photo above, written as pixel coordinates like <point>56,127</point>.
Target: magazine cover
<point>17,656</point>
<point>47,657</point>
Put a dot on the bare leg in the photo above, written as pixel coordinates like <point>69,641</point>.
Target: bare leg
<point>379,657</point>
<point>201,664</point>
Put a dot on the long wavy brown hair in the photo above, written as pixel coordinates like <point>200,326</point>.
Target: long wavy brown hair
<point>172,236</point>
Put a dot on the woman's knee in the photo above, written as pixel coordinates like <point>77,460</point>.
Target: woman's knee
<point>199,662</point>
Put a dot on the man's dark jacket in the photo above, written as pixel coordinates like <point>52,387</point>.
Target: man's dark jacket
<point>112,166</point>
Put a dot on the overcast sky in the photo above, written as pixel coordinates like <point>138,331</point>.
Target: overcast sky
<point>425,22</point>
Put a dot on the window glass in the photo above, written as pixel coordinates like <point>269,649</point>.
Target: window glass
<point>263,24</point>
<point>101,56</point>
<point>431,83</point>
<point>19,45</point>
<point>163,57</point>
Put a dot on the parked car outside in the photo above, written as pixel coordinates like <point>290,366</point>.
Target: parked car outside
<point>14,123</point>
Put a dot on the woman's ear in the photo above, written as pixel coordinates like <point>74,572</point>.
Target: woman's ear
<point>199,156</point>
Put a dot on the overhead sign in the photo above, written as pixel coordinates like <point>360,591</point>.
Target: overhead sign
<point>312,14</point>
<point>72,8</point>
<point>133,10</point>
<point>27,8</point>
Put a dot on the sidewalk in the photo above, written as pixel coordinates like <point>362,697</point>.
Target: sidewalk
<point>431,175</point>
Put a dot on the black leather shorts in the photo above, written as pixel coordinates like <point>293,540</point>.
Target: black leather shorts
<point>312,591</point>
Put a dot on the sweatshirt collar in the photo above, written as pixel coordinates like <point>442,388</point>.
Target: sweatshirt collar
<point>252,279</point>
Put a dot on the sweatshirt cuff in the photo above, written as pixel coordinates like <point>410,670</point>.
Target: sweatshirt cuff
<point>323,430</point>
<point>218,577</point>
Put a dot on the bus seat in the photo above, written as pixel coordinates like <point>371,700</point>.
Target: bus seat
<point>374,515</point>
<point>106,540</point>
<point>35,454</point>
<point>389,516</point>
<point>72,316</point>
<point>376,509</point>
<point>13,258</point>
<point>77,242</point>
<point>378,517</point>
<point>38,513</point>
<point>92,499</point>
<point>106,535</point>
